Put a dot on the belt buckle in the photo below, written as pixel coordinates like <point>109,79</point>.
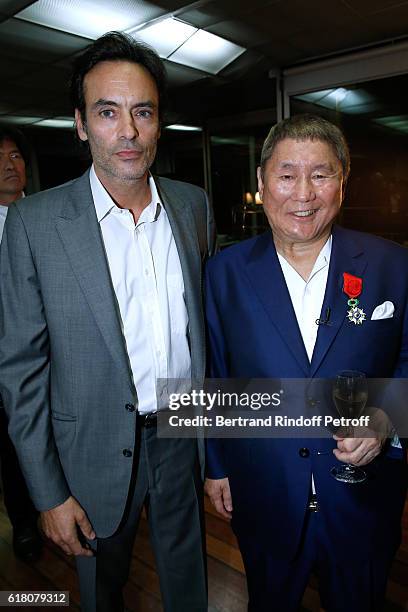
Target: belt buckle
<point>150,419</point>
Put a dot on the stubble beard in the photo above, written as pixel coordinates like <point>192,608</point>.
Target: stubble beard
<point>136,170</point>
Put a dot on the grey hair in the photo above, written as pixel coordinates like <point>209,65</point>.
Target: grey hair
<point>308,127</point>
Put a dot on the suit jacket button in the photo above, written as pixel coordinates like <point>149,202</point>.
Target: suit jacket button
<point>127,452</point>
<point>304,452</point>
<point>130,407</point>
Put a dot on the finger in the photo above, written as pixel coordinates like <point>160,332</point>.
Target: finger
<point>218,504</point>
<point>349,445</point>
<point>341,433</point>
<point>221,510</point>
<point>227,499</point>
<point>339,455</point>
<point>363,454</point>
<point>344,457</point>
<point>77,549</point>
<point>86,527</point>
<point>65,549</point>
<point>367,456</point>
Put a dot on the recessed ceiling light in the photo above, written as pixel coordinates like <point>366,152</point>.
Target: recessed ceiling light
<point>19,119</point>
<point>183,128</point>
<point>165,36</point>
<point>184,44</point>
<point>353,101</point>
<point>206,51</point>
<point>87,17</point>
<point>57,122</point>
<point>394,122</point>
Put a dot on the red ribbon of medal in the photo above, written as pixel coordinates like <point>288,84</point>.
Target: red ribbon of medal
<point>352,287</point>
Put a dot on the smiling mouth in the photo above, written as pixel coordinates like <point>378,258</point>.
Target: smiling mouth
<point>305,213</point>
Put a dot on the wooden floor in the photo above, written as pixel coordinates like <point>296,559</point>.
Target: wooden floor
<point>227,589</point>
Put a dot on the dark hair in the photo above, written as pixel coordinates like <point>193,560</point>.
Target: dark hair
<point>116,46</point>
<point>10,133</point>
<point>308,127</point>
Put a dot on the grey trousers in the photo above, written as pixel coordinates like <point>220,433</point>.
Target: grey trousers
<point>166,481</point>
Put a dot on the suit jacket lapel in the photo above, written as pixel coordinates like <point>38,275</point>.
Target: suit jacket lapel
<point>266,277</point>
<point>347,256</point>
<point>80,234</point>
<point>182,223</point>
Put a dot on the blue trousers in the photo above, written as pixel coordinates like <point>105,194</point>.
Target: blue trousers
<point>276,585</point>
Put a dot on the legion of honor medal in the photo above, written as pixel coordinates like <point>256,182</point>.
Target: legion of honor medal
<point>352,287</point>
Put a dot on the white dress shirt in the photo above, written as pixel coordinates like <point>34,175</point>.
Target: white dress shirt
<point>307,298</point>
<point>148,283</point>
<point>3,215</point>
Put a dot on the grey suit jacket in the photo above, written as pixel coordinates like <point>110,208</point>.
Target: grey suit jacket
<point>64,370</point>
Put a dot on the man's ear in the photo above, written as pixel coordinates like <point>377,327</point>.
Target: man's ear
<point>80,126</point>
<point>260,182</point>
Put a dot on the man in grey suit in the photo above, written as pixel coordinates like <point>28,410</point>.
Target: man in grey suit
<point>100,304</point>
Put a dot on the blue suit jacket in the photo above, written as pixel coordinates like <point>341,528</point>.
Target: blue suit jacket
<point>253,332</point>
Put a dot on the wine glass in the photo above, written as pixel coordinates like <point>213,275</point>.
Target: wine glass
<point>350,394</point>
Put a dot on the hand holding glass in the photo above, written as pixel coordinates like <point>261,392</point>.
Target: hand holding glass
<point>350,394</point>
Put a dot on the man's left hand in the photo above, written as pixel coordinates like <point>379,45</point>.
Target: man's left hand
<point>357,451</point>
<point>362,450</point>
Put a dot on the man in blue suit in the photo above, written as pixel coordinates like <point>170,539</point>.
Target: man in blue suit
<point>278,307</point>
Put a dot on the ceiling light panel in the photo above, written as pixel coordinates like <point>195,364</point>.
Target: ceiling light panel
<point>57,122</point>
<point>206,51</point>
<point>19,120</point>
<point>314,96</point>
<point>352,101</point>
<point>394,122</point>
<point>90,18</point>
<point>165,36</point>
<point>183,128</point>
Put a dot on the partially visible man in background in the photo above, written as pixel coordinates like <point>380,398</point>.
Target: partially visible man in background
<point>27,543</point>
<point>12,170</point>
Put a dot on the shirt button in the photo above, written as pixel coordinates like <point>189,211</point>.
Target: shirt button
<point>130,407</point>
<point>126,452</point>
<point>304,453</point>
<point>146,272</point>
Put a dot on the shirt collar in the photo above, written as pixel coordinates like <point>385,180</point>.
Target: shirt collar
<point>105,205</point>
<point>323,259</point>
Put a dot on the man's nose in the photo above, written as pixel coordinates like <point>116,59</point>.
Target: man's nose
<point>7,163</point>
<point>128,128</point>
<point>304,190</point>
